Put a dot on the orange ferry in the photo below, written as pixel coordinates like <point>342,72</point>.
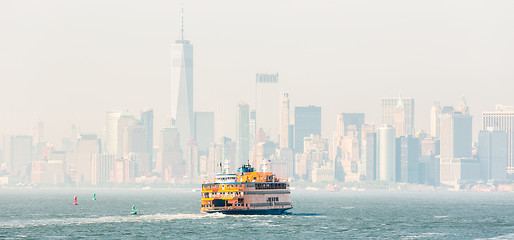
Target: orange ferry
<point>246,192</point>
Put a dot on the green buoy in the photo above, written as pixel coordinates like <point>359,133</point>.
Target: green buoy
<point>94,196</point>
<point>134,212</point>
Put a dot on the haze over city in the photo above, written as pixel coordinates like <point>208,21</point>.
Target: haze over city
<point>379,119</point>
<point>68,62</point>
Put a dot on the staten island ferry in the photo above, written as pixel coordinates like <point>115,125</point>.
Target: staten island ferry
<point>246,192</point>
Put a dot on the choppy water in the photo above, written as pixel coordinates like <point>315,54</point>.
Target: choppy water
<point>170,214</point>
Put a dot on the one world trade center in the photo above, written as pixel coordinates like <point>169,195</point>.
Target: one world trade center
<point>182,87</point>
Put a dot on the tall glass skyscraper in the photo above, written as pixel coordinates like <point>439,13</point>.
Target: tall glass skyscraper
<point>284,120</point>
<point>111,143</point>
<point>399,113</point>
<point>267,104</point>
<point>307,121</point>
<point>147,122</point>
<point>204,130</point>
<point>502,119</point>
<point>242,134</point>
<point>182,88</point>
<point>386,154</point>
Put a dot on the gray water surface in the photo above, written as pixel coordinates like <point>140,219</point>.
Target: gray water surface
<point>46,213</point>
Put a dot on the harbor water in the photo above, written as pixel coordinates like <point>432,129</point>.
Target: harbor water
<point>175,214</point>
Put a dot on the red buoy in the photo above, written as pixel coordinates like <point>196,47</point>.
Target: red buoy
<point>75,201</point>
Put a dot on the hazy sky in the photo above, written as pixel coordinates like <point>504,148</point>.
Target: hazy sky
<point>68,62</point>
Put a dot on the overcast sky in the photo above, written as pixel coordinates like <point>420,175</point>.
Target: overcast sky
<point>67,62</point>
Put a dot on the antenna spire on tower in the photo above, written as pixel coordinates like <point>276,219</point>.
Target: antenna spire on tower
<point>182,25</point>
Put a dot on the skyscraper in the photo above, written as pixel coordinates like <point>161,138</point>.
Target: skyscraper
<point>386,154</point>
<point>182,87</point>
<point>399,113</point>
<point>242,134</point>
<point>87,146</point>
<point>307,121</point>
<point>111,138</point>
<point>434,119</point>
<point>351,119</point>
<point>204,130</point>
<point>267,103</point>
<point>502,119</point>
<point>134,144</point>
<point>218,124</point>
<point>124,121</point>
<point>253,129</point>
<point>169,158</point>
<point>492,154</point>
<point>147,122</point>
<point>102,167</point>
<point>192,161</point>
<point>456,162</point>
<point>18,152</point>
<point>407,159</point>
<point>284,120</point>
<point>370,156</point>
<point>284,161</point>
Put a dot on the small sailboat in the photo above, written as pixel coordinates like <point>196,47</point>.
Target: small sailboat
<point>75,201</point>
<point>134,212</point>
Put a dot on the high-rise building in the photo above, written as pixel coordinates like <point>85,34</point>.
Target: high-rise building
<point>398,112</point>
<point>429,169</point>
<point>102,168</point>
<point>147,123</point>
<point>192,161</point>
<point>350,157</point>
<point>284,120</point>
<point>434,119</point>
<point>134,144</point>
<point>502,119</point>
<point>283,164</point>
<point>18,152</point>
<point>215,157</point>
<point>124,121</point>
<point>182,87</point>
<point>267,92</point>
<point>111,137</point>
<point>228,154</point>
<point>134,139</point>
<point>253,129</point>
<point>204,130</point>
<point>386,154</point>
<point>493,154</point>
<point>242,134</point>
<point>87,146</point>
<point>370,156</point>
<point>318,165</point>
<point>456,160</point>
<point>169,162</point>
<point>307,121</point>
<point>218,124</point>
<point>463,107</point>
<point>351,119</point>
<point>50,169</point>
<point>39,131</point>
<point>407,159</point>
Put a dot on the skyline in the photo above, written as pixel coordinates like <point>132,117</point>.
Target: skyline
<point>56,86</point>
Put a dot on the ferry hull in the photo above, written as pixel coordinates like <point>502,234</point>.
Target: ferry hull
<point>252,211</point>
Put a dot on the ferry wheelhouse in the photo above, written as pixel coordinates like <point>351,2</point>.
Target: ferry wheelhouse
<point>246,192</point>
